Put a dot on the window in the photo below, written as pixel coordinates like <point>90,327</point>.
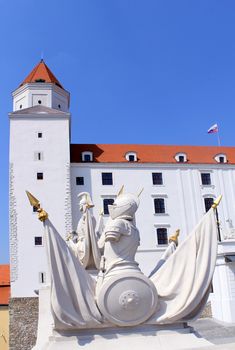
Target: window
<point>221,158</point>
<point>87,156</point>
<point>79,180</point>
<point>181,157</point>
<point>107,178</point>
<point>206,178</point>
<point>20,106</point>
<point>39,135</point>
<point>42,277</point>
<point>162,236</point>
<point>159,205</point>
<point>38,156</point>
<point>39,176</point>
<point>35,209</point>
<point>106,202</point>
<point>131,156</point>
<point>208,203</point>
<point>39,102</point>
<point>40,80</point>
<point>59,106</point>
<point>38,240</point>
<point>157,178</point>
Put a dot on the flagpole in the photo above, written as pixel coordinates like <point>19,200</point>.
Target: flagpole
<point>218,137</point>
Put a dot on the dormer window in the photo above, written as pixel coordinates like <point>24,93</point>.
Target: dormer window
<point>181,157</point>
<point>131,157</point>
<point>40,80</point>
<point>87,156</point>
<point>221,158</point>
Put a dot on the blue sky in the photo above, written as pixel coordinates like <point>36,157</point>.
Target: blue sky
<point>139,71</point>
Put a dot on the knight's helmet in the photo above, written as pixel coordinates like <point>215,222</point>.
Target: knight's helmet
<point>85,201</point>
<point>125,204</point>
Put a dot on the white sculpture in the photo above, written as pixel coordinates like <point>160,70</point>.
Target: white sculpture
<point>84,243</point>
<point>122,295</point>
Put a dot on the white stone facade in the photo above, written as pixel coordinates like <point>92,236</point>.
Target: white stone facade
<point>182,191</point>
<point>29,261</point>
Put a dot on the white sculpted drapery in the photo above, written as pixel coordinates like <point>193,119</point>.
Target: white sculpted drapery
<point>72,288</point>
<point>184,280</point>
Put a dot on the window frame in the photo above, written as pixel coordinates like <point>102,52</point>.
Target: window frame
<point>106,205</point>
<point>103,174</point>
<point>42,277</point>
<point>166,231</point>
<point>157,184</point>
<point>38,245</point>
<point>87,153</point>
<point>208,196</point>
<point>38,177</point>
<point>181,154</point>
<point>76,180</point>
<point>132,154</point>
<point>204,176</point>
<point>220,155</point>
<point>160,198</point>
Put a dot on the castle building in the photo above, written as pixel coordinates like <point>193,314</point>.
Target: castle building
<point>179,185</point>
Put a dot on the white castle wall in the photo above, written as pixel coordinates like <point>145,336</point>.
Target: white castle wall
<point>49,95</point>
<point>182,190</point>
<point>27,260</point>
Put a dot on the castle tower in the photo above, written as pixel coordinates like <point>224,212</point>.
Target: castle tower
<point>39,163</point>
<point>41,87</point>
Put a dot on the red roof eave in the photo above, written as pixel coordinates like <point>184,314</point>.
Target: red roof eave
<point>115,153</point>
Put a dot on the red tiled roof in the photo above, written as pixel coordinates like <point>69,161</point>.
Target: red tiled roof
<point>41,73</point>
<point>4,284</point>
<point>4,275</point>
<point>115,153</point>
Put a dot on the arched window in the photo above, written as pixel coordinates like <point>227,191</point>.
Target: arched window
<point>87,156</point>
<point>181,157</point>
<point>221,158</point>
<point>131,156</point>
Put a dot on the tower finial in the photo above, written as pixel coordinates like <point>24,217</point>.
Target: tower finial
<point>42,58</point>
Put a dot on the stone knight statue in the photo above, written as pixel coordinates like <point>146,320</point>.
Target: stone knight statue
<point>83,242</point>
<point>121,295</point>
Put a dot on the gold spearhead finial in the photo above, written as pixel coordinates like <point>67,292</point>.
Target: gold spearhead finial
<point>42,214</point>
<point>32,200</point>
<point>216,202</point>
<point>174,238</point>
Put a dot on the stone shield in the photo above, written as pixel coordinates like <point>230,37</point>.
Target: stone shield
<point>127,299</point>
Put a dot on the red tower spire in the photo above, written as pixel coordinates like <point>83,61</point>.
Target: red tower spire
<point>41,74</point>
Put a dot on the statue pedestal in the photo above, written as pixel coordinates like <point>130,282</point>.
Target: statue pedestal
<point>169,337</point>
<point>146,336</point>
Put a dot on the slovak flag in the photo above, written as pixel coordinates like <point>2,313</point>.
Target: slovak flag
<point>213,129</point>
